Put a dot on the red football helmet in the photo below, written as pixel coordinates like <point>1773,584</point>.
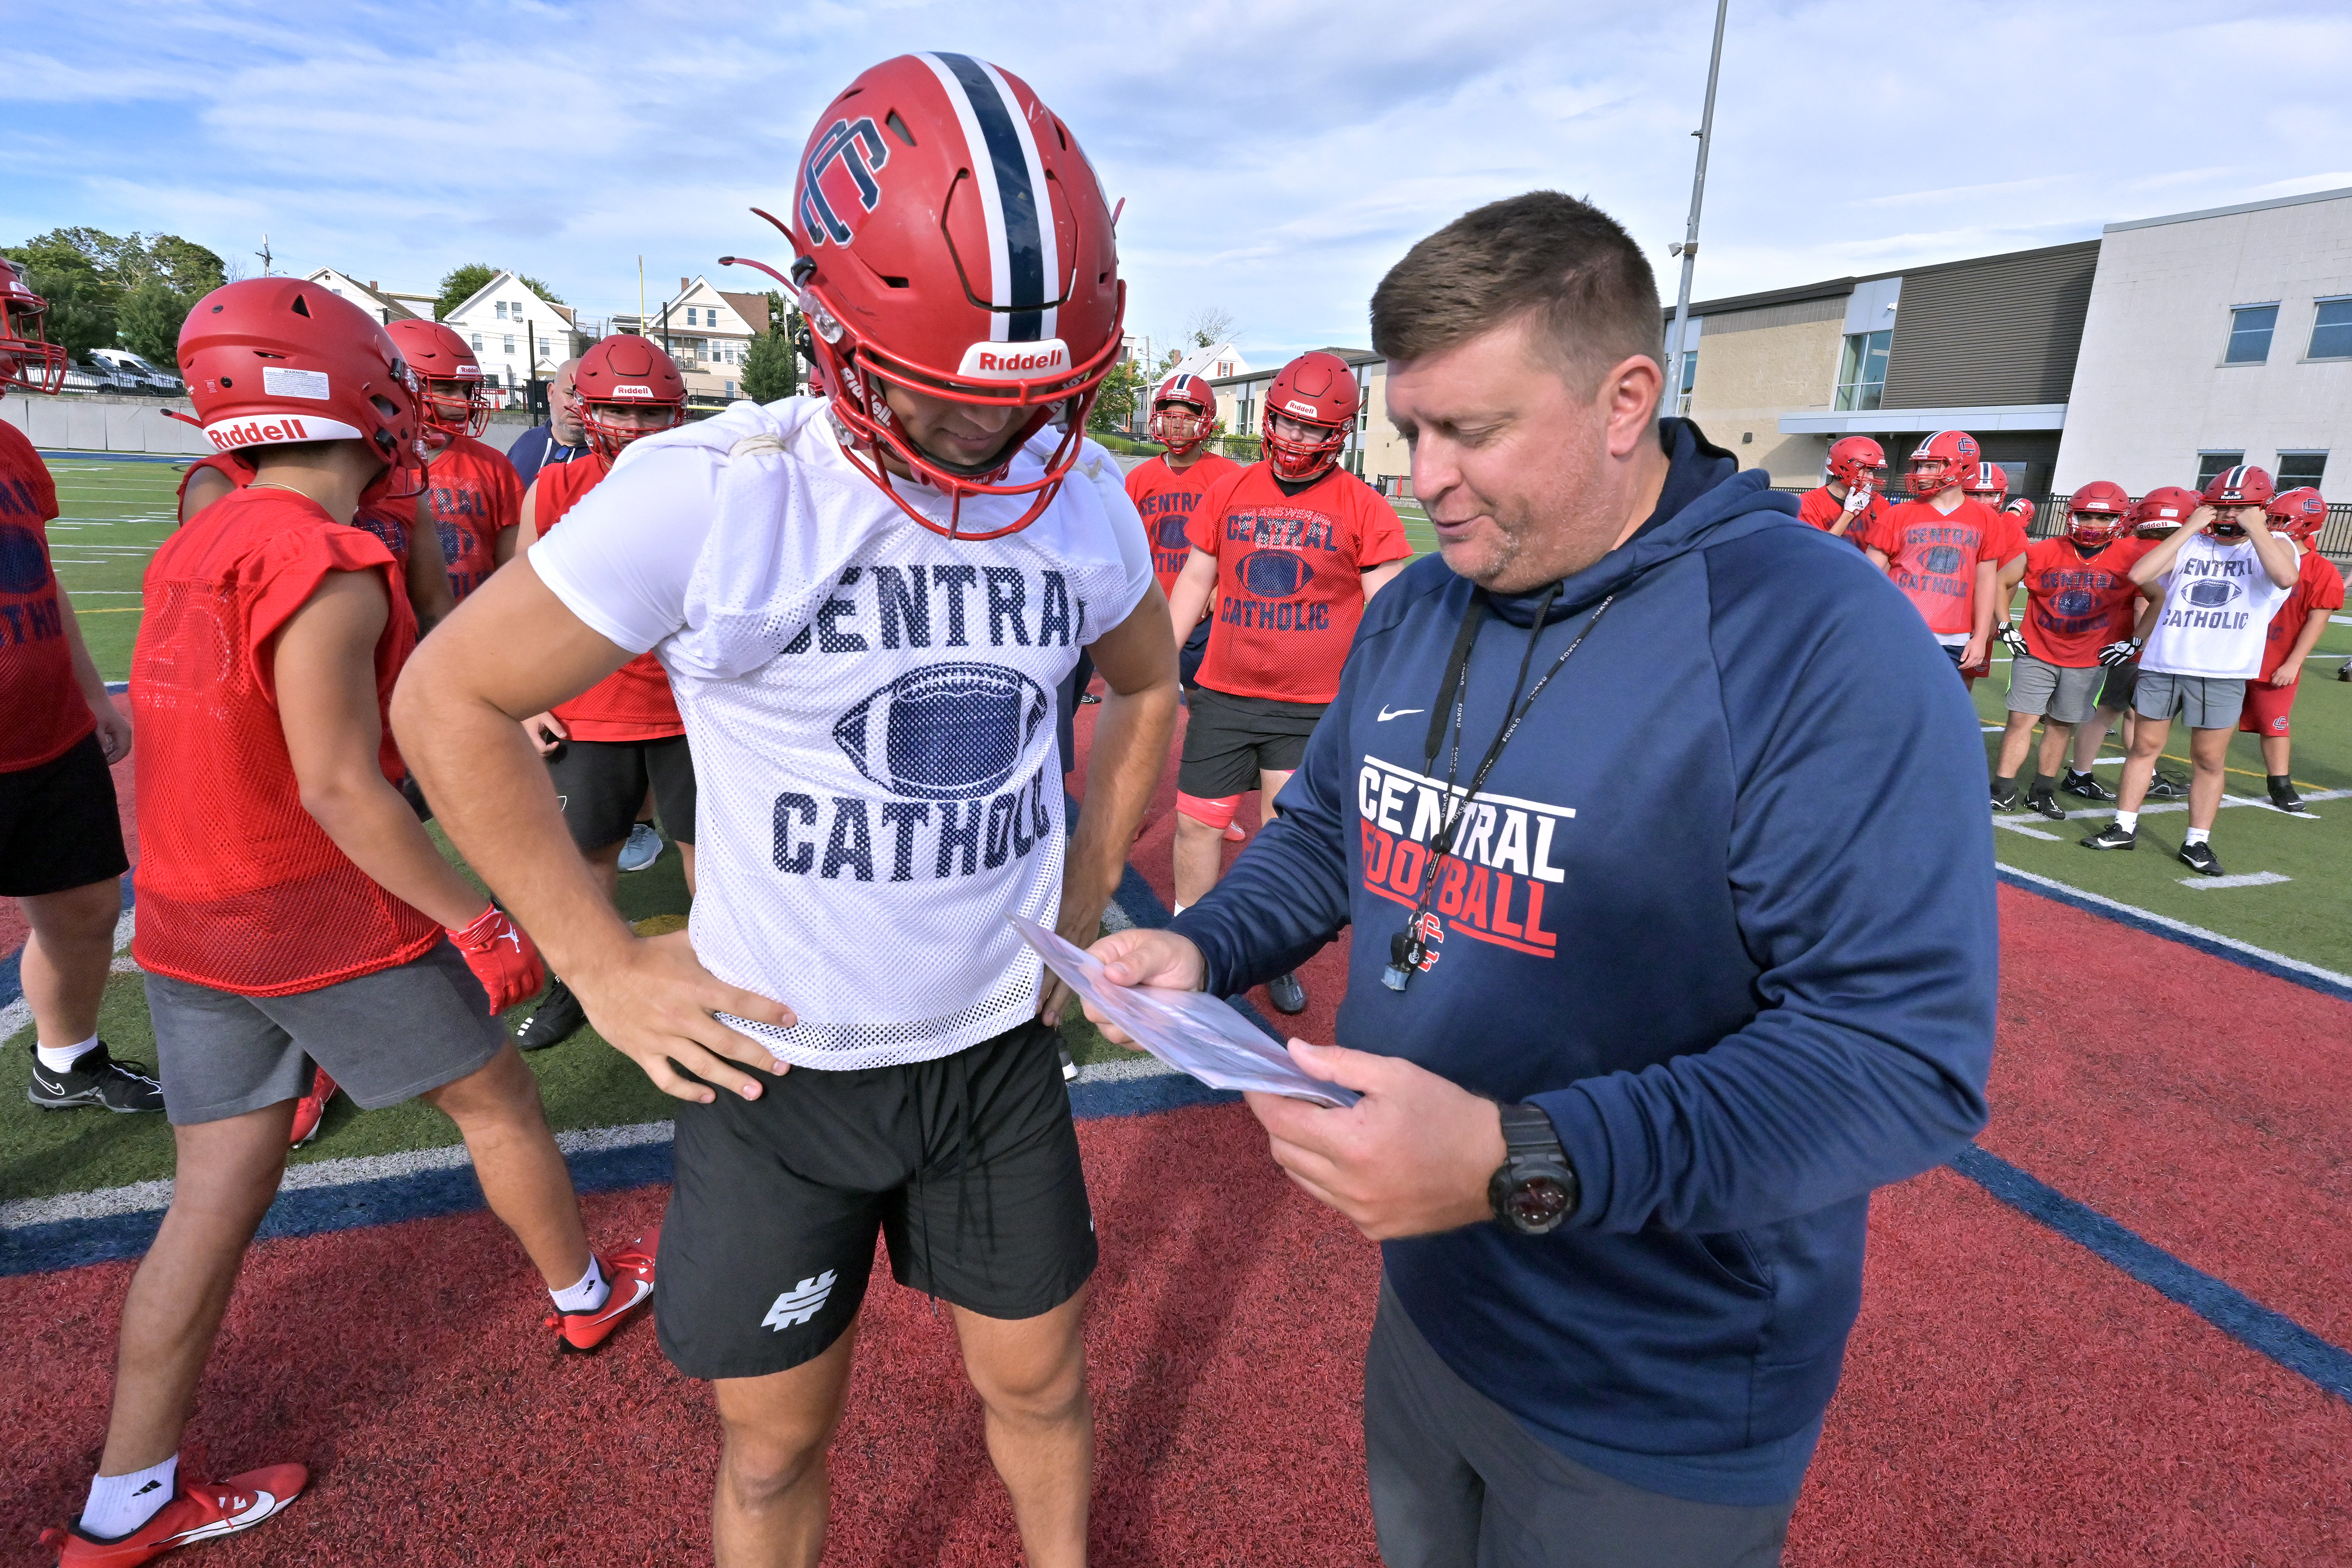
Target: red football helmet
<point>2095,512</point>
<point>27,358</point>
<point>2240,486</point>
<point>626,371</point>
<point>277,360</point>
<point>2163,510</point>
<point>1943,460</point>
<point>951,239</point>
<point>2299,514</point>
<point>1183,410</point>
<point>1857,460</point>
<point>1317,389</point>
<point>1986,482</point>
<point>450,378</point>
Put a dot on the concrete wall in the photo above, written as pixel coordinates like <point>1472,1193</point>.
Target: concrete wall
<point>138,424</point>
<point>2150,390</point>
<point>1757,365</point>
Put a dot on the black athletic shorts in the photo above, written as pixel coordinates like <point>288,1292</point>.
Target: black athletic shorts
<point>601,784</point>
<point>968,1165</point>
<point>59,827</point>
<point>1228,740</point>
<point>1188,656</point>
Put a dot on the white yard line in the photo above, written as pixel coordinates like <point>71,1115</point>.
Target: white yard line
<point>2020,822</point>
<point>2251,879</point>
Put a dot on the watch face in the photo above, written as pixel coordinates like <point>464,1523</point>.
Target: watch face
<point>1539,1201</point>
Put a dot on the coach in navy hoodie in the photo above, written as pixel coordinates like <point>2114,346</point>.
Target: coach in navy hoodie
<point>1722,910</point>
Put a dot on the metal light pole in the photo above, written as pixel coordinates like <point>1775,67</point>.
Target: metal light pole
<point>1688,250</point>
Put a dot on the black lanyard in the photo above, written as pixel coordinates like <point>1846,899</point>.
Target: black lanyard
<point>1407,948</point>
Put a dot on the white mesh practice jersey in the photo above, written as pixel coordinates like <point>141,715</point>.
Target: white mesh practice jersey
<point>2218,604</point>
<point>870,707</point>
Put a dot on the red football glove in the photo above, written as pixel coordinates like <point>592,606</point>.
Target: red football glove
<point>502,956</point>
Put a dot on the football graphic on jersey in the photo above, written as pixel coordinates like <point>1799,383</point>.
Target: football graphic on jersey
<point>1275,574</point>
<point>1943,561</point>
<point>2211,593</point>
<point>23,567</point>
<point>948,732</point>
<point>2073,601</point>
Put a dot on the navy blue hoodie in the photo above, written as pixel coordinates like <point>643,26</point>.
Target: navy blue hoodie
<point>1726,915</point>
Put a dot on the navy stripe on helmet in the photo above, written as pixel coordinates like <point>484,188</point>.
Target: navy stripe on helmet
<point>1023,249</point>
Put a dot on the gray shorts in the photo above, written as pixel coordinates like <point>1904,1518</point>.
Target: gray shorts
<point>2061,693</point>
<point>2206,702</point>
<point>1458,1482</point>
<point>383,1038</point>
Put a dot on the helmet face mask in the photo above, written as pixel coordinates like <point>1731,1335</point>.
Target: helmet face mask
<point>1858,461</point>
<point>27,358</point>
<point>1309,410</point>
<point>449,379</point>
<point>1183,412</point>
<point>625,389</point>
<point>2095,512</point>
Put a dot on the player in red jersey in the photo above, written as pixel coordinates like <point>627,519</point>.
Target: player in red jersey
<point>1291,549</point>
<point>330,928</point>
<point>1852,497</point>
<point>2079,601</point>
<point>61,833</point>
<point>1942,549</point>
<point>2298,514</point>
<point>1167,490</point>
<point>472,501</point>
<point>1988,485</point>
<point>623,737</point>
<point>2153,518</point>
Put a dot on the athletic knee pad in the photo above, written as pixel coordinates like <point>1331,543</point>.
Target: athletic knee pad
<point>1217,813</point>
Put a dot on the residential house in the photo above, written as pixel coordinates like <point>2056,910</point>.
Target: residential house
<point>709,331</point>
<point>517,335</point>
<point>385,306</point>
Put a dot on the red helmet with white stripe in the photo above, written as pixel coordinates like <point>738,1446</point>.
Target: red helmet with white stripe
<point>2243,486</point>
<point>618,379</point>
<point>27,358</point>
<point>2163,510</point>
<point>1986,482</point>
<point>1945,459</point>
<point>1317,390</point>
<point>447,376</point>
<point>952,240</point>
<point>2095,512</point>
<point>2299,514</point>
<point>1183,410</point>
<point>273,360</point>
<point>1858,460</point>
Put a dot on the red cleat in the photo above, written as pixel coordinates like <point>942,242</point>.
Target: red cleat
<point>630,1272</point>
<point>311,1109</point>
<point>199,1511</point>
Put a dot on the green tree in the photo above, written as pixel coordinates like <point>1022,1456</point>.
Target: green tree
<point>188,269</point>
<point>148,317</point>
<point>460,284</point>
<point>772,368</point>
<point>82,297</point>
<point>541,290</point>
<point>1115,399</point>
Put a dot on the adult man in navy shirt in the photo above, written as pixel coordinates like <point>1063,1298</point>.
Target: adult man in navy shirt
<point>1670,979</point>
<point>559,440</point>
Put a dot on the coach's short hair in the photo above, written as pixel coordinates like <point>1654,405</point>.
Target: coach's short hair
<point>1564,263</point>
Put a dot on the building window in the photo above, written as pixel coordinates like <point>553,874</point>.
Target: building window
<point>730,389</point>
<point>500,307</point>
<point>1690,378</point>
<point>1862,373</point>
<point>510,348</point>
<point>2331,331</point>
<point>478,342</point>
<point>2296,468</point>
<point>2250,334</point>
<point>543,348</point>
<point>2212,463</point>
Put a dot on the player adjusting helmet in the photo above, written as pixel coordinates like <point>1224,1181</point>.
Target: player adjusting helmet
<point>2163,510</point>
<point>2095,512</point>
<point>27,358</point>
<point>951,239</point>
<point>273,360</point>
<point>626,371</point>
<point>1943,460</point>
<point>1184,412</point>
<point>1986,482</point>
<point>2299,514</point>
<point>447,375</point>
<point>2243,486</point>
<point>1858,460</point>
<point>1316,389</point>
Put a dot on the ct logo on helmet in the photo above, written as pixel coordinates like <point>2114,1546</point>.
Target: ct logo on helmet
<point>841,166</point>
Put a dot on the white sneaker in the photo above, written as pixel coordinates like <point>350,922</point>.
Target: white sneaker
<point>643,849</point>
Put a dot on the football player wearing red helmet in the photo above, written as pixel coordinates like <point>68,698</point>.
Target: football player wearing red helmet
<point>1943,549</point>
<point>2079,601</point>
<point>61,852</point>
<point>1167,490</point>
<point>472,499</point>
<point>2299,514</point>
<point>1988,485</point>
<point>2222,574</point>
<point>1854,495</point>
<point>327,928</point>
<point>865,600</point>
<point>1288,551</point>
<point>2152,516</point>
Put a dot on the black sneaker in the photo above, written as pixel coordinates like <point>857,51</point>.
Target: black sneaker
<point>2284,796</point>
<point>2199,858</point>
<point>2086,786</point>
<point>557,1018</point>
<point>95,1080</point>
<point>2344,670</point>
<point>2043,800</point>
<point>1069,1062</point>
<point>2112,837</point>
<point>1287,994</point>
<point>2004,800</point>
<point>2165,786</point>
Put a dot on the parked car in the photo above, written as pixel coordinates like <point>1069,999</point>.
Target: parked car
<point>145,373</point>
<point>88,376</point>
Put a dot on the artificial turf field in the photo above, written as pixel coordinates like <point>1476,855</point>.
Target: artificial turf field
<point>2023,1386</point>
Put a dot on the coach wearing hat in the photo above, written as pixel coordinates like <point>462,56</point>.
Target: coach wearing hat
<point>1651,817</point>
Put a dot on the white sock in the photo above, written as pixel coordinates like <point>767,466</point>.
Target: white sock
<point>590,1293</point>
<point>2128,820</point>
<point>1175,912</point>
<point>62,1057</point>
<point>120,1504</point>
<point>2197,836</point>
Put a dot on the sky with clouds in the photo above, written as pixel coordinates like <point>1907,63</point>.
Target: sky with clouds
<point>1276,157</point>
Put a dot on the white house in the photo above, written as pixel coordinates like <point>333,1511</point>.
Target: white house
<point>1211,364</point>
<point>514,333</point>
<point>386,306</point>
<point>708,330</point>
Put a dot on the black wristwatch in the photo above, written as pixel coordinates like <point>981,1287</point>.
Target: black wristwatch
<point>1534,1188</point>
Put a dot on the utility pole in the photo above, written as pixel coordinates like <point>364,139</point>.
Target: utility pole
<point>1688,250</point>
<point>641,296</point>
<point>263,254</point>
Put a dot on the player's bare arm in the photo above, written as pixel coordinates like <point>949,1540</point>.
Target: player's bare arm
<point>205,487</point>
<point>1194,585</point>
<point>113,729</point>
<point>2279,556</point>
<point>544,730</point>
<point>1979,646</point>
<point>514,650</point>
<point>428,573</point>
<point>1379,577</point>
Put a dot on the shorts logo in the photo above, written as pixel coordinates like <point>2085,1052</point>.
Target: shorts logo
<point>1273,573</point>
<point>799,1304</point>
<point>840,170</point>
<point>2211,592</point>
<point>1942,561</point>
<point>946,733</point>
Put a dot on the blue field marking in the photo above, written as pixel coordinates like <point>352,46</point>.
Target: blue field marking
<point>64,456</point>
<point>2235,1313</point>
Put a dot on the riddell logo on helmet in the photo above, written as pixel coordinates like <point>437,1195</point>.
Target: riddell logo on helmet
<point>230,434</point>
<point>632,392</point>
<point>1015,361</point>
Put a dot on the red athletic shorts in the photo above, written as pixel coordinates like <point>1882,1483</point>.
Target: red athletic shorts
<point>2267,708</point>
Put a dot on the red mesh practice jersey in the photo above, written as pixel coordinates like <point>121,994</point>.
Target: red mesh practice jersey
<point>2317,586</point>
<point>384,520</point>
<point>1821,509</point>
<point>1932,556</point>
<point>472,494</point>
<point>1289,580</point>
<point>2075,607</point>
<point>239,888</point>
<point>220,462</point>
<point>42,713</point>
<point>1165,501</point>
<point>2008,536</point>
<point>633,703</point>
